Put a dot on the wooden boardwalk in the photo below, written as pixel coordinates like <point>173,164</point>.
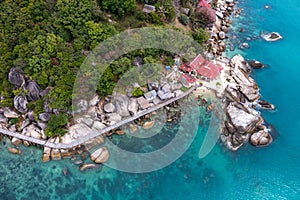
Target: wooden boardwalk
<point>92,135</point>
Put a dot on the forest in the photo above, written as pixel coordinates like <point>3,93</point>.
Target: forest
<point>48,41</point>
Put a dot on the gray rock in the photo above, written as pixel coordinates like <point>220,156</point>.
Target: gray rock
<point>12,128</point>
<point>3,119</point>
<point>94,100</point>
<point>20,103</point>
<point>79,130</point>
<point>243,121</point>
<point>261,138</point>
<point>32,131</point>
<point>42,125</point>
<point>31,116</point>
<point>8,113</point>
<point>98,126</point>
<point>34,91</point>
<point>121,103</point>
<point>133,106</point>
<point>256,64</point>
<point>44,117</point>
<point>46,107</point>
<point>25,123</point>
<point>114,117</point>
<point>16,77</point>
<point>109,108</point>
<point>82,105</point>
<point>224,29</point>
<point>222,35</point>
<point>45,92</point>
<point>219,14</point>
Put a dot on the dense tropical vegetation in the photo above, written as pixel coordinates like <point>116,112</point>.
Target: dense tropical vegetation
<point>48,40</point>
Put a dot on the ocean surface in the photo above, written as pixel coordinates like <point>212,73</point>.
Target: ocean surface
<point>250,173</point>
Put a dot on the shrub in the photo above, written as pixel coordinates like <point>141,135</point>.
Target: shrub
<point>183,19</point>
<point>137,92</point>
<point>55,126</point>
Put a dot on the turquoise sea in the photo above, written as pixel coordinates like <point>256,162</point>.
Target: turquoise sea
<point>250,173</point>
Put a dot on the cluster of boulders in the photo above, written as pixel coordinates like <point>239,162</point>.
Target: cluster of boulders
<point>243,120</point>
<point>99,114</point>
<point>223,11</point>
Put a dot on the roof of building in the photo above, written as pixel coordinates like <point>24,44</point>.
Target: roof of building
<point>144,104</point>
<point>150,95</point>
<point>186,68</point>
<point>197,62</point>
<point>203,3</point>
<point>188,78</point>
<point>210,71</point>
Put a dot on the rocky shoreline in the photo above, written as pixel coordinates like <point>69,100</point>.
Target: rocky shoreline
<point>241,97</point>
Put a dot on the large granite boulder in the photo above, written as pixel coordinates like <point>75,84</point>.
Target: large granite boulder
<point>98,126</point>
<point>34,91</point>
<point>32,131</point>
<point>109,108</point>
<point>44,117</point>
<point>16,77</point>
<point>261,138</point>
<point>238,61</point>
<point>79,130</point>
<point>113,117</point>
<point>20,103</point>
<point>8,113</point>
<point>133,106</point>
<point>121,102</point>
<point>243,121</point>
<point>100,156</point>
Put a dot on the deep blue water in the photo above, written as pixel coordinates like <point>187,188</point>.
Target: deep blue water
<point>250,173</point>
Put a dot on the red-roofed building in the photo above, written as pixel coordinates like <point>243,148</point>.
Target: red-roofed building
<point>198,61</point>
<point>203,3</point>
<point>210,71</point>
<point>187,80</point>
<point>186,68</point>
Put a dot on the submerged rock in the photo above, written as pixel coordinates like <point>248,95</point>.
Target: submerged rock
<point>86,166</point>
<point>148,125</point>
<point>14,151</point>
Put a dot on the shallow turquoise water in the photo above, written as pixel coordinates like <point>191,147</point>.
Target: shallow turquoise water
<point>265,173</point>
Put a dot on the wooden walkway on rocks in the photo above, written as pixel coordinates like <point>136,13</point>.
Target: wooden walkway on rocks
<point>92,135</point>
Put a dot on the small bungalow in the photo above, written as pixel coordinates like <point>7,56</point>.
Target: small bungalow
<point>165,95</point>
<point>148,8</point>
<point>187,80</point>
<point>143,103</point>
<point>150,95</point>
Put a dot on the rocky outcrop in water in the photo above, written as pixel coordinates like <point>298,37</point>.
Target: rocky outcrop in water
<point>243,122</point>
